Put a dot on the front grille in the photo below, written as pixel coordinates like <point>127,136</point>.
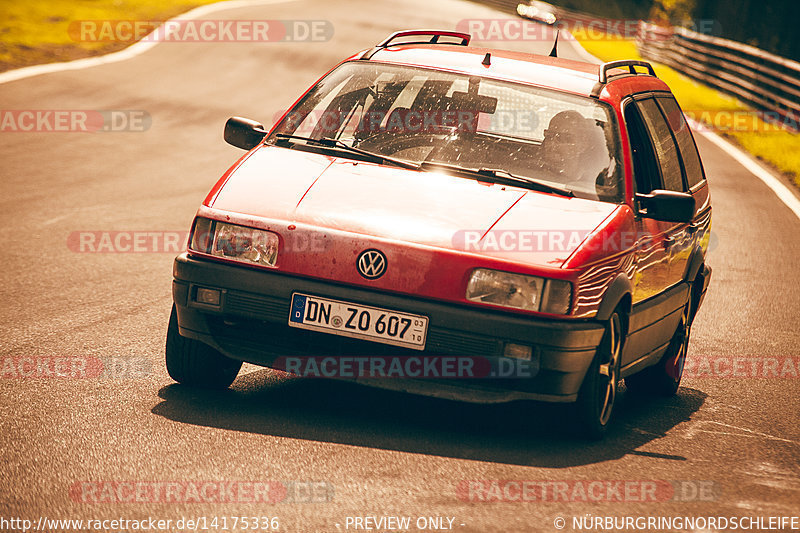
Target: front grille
<point>241,303</point>
<point>281,339</point>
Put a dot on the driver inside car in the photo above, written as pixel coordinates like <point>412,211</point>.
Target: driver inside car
<point>574,151</point>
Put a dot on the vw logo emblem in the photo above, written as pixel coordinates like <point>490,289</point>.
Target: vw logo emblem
<point>371,264</point>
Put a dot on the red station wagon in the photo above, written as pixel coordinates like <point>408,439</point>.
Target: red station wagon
<point>466,223</point>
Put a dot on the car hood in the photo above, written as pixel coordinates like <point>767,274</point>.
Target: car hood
<point>425,208</point>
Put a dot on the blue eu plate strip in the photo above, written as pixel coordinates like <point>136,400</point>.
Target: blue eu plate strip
<point>298,308</point>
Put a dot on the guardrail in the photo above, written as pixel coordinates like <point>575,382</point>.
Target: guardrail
<point>763,80</point>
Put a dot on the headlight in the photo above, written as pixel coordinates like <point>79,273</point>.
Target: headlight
<point>519,291</point>
<point>239,243</point>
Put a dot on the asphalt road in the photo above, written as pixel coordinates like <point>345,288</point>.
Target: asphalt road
<point>730,441</point>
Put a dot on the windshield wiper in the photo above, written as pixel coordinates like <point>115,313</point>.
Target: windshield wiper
<point>527,182</point>
<point>336,143</point>
<point>503,176</point>
<point>494,174</point>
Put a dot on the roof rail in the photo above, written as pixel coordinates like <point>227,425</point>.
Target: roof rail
<point>630,63</point>
<point>435,34</point>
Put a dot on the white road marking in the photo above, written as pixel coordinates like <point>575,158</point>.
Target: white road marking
<point>133,50</point>
<point>643,432</point>
<point>783,193</point>
<point>738,431</point>
<point>55,219</point>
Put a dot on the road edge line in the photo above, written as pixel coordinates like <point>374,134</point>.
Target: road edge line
<point>781,190</point>
<point>127,53</point>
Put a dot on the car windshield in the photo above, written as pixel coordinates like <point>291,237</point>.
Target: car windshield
<point>429,116</point>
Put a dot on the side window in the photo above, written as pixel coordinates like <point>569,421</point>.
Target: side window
<point>645,171</point>
<point>691,160</point>
<point>666,149</point>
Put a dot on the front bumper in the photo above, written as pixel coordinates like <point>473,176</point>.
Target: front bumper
<point>251,324</point>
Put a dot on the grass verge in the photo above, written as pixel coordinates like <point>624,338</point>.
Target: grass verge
<point>776,146</point>
<point>39,31</point>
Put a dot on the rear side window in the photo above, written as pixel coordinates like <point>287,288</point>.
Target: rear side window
<point>666,149</point>
<point>691,160</point>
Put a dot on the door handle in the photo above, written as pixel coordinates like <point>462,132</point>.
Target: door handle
<point>668,242</point>
<point>691,229</point>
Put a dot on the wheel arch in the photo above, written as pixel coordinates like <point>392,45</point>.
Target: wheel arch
<point>618,295</point>
<point>694,265</point>
<point>694,275</point>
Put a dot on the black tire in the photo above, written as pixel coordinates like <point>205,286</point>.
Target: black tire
<point>664,378</point>
<point>598,393</point>
<point>196,364</point>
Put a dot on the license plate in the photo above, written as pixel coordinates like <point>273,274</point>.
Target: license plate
<point>358,321</point>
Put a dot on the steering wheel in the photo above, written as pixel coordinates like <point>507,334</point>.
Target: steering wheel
<point>390,142</point>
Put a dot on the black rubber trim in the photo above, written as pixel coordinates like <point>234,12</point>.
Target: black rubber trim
<point>614,294</point>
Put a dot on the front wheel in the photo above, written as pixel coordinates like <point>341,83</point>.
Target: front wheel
<point>191,362</point>
<point>598,393</point>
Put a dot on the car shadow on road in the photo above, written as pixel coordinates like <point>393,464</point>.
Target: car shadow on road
<point>520,433</point>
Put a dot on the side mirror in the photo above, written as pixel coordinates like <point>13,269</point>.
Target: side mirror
<point>670,206</point>
<point>243,132</point>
